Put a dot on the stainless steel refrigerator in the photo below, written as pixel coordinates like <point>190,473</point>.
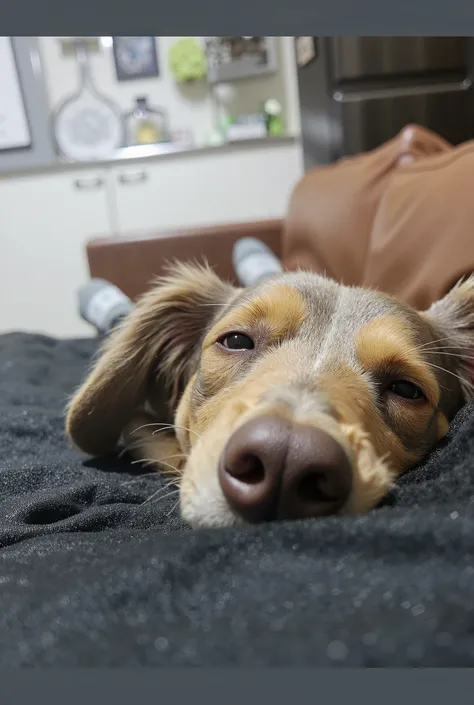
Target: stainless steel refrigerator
<point>357,92</point>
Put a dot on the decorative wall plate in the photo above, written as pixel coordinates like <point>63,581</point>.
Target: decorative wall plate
<point>88,126</point>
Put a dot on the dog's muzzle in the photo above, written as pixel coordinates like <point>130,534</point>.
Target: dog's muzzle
<point>272,469</point>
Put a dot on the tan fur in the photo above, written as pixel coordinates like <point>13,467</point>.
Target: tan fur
<point>277,312</point>
<point>356,407</point>
<point>386,343</point>
<point>443,425</point>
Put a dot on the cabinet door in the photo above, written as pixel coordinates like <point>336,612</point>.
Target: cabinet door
<point>45,223</point>
<point>206,188</point>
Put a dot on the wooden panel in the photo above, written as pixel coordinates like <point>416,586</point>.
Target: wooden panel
<point>131,262</point>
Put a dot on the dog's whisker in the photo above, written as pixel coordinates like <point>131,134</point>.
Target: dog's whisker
<point>437,340</point>
<point>432,342</point>
<point>171,473</point>
<point>132,446</point>
<point>451,354</point>
<point>453,344</point>
<point>140,477</point>
<point>162,430</point>
<point>172,509</point>
<point>176,455</point>
<point>435,346</point>
<point>443,369</point>
<point>166,427</point>
<point>159,499</point>
<point>168,465</point>
<point>129,447</point>
<point>148,425</point>
<point>144,460</point>
<point>172,468</point>
<point>149,461</point>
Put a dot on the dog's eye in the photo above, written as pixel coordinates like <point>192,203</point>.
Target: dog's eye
<point>405,389</point>
<point>237,341</point>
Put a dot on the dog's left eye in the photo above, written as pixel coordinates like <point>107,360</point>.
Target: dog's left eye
<point>237,341</point>
<point>407,390</point>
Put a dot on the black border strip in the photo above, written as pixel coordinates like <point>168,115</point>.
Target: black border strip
<point>241,17</point>
<point>237,687</point>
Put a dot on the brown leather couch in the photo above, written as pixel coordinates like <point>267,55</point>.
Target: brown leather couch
<point>399,218</point>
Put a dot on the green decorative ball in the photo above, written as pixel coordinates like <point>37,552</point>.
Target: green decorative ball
<point>187,60</point>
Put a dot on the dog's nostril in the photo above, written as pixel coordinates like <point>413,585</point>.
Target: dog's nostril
<point>312,488</point>
<point>251,467</point>
<point>247,468</point>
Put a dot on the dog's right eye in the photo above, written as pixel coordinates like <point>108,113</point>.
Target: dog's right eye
<point>405,389</point>
<point>237,341</point>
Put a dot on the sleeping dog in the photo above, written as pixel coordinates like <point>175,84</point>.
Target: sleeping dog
<point>296,398</point>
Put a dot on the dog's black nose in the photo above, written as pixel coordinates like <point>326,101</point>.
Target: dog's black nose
<point>273,469</point>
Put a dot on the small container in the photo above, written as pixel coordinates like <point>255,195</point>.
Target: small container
<point>273,113</point>
<point>146,125</point>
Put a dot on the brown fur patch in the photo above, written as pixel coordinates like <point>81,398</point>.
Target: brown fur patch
<point>443,425</point>
<point>279,310</point>
<point>355,404</point>
<point>386,344</point>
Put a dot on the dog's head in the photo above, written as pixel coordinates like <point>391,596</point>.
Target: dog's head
<point>296,398</point>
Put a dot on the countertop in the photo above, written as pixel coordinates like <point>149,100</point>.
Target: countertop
<point>130,155</point>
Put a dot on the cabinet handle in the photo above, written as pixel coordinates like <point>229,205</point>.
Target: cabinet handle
<point>136,177</point>
<point>88,184</point>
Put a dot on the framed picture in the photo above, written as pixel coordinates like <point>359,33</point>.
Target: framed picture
<point>232,58</point>
<point>14,127</point>
<point>135,58</point>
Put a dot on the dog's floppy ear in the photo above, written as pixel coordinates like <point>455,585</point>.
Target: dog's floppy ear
<point>453,319</point>
<point>156,344</point>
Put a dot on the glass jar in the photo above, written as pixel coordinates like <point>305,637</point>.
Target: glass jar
<point>146,125</point>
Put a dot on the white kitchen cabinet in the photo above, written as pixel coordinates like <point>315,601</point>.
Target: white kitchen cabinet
<point>45,222</point>
<point>206,188</point>
<point>46,219</point>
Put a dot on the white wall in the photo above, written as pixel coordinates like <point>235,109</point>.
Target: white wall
<point>187,107</point>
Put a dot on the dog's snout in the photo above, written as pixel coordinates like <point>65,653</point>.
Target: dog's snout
<point>274,469</point>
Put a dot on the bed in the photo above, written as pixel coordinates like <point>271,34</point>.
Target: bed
<point>90,575</point>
